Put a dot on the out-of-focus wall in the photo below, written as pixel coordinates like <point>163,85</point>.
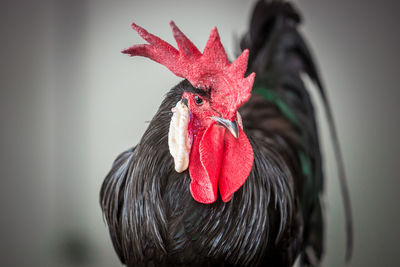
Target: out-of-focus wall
<point>70,102</point>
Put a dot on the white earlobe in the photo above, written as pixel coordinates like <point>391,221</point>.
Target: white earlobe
<point>179,141</point>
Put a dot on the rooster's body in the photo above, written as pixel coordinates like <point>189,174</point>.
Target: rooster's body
<point>275,216</point>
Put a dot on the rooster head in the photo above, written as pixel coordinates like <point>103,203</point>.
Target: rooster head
<point>206,134</point>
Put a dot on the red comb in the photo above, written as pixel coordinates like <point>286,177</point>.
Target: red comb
<point>208,70</point>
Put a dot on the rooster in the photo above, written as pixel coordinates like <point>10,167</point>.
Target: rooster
<point>228,172</point>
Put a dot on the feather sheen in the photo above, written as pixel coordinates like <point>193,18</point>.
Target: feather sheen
<point>276,215</point>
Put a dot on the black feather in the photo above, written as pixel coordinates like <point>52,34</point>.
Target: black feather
<point>279,55</point>
<point>275,216</point>
<point>154,220</point>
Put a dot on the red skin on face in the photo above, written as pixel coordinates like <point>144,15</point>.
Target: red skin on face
<point>217,158</point>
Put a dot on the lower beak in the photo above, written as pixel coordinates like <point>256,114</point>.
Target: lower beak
<point>232,126</point>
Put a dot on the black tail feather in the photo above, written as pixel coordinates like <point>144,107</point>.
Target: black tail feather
<point>279,56</point>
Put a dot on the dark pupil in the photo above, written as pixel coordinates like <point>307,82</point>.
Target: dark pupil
<point>198,100</point>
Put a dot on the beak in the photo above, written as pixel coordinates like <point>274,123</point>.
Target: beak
<point>232,126</point>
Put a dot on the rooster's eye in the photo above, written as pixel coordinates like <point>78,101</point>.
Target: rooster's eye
<point>198,100</point>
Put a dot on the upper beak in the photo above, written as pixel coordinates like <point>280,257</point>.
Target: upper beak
<point>232,126</point>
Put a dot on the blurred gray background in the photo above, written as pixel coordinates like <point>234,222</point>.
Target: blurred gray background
<point>70,102</point>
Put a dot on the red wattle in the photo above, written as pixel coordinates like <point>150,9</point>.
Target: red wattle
<point>218,159</point>
<point>205,163</point>
<point>236,166</point>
